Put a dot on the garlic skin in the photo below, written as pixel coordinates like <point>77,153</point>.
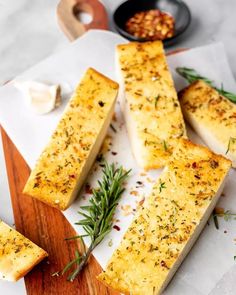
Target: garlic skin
<point>40,97</point>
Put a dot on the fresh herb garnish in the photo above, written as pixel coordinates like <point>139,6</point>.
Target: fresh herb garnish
<point>232,140</point>
<point>162,185</point>
<point>98,215</point>
<point>191,76</point>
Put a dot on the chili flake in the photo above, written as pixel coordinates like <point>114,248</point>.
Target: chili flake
<point>151,25</point>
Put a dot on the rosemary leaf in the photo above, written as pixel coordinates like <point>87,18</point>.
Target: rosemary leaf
<point>165,146</point>
<point>216,221</point>
<point>156,100</point>
<point>191,76</point>
<point>97,219</point>
<point>162,185</point>
<point>113,128</point>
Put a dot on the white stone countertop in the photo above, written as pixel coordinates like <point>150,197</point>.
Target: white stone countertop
<point>29,32</point>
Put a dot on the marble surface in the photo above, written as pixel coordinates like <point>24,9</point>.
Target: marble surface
<point>29,32</point>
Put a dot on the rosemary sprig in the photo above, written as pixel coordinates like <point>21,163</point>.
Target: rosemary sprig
<point>191,76</point>
<point>98,215</point>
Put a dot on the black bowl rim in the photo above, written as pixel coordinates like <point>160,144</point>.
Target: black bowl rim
<point>167,40</point>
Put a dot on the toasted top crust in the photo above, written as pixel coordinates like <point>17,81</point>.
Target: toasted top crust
<point>60,166</point>
<point>18,255</point>
<point>152,101</point>
<point>156,238</point>
<point>212,111</point>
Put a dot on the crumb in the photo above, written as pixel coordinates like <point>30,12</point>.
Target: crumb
<point>110,243</point>
<point>56,274</point>
<point>134,193</point>
<point>127,210</point>
<point>150,180</point>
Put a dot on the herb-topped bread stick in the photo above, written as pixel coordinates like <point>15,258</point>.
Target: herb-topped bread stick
<point>150,105</point>
<point>18,255</point>
<point>64,164</point>
<point>212,116</point>
<point>166,227</point>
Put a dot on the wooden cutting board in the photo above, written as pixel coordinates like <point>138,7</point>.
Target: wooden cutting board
<point>48,228</point>
<point>68,12</point>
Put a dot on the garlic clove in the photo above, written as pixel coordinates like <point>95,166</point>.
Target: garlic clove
<point>40,97</point>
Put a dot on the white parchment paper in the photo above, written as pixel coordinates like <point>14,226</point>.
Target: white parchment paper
<point>213,254</point>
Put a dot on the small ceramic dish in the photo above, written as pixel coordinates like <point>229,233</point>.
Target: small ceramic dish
<point>177,8</point>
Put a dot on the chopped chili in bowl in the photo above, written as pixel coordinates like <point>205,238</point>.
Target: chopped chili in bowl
<point>151,25</point>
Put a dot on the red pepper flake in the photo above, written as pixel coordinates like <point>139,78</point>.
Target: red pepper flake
<point>194,165</point>
<point>88,189</point>
<point>116,227</point>
<point>151,24</point>
<point>163,263</point>
<point>114,153</point>
<point>214,164</point>
<point>72,176</point>
<point>140,203</point>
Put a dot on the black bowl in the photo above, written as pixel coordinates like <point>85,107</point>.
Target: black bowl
<point>178,9</point>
